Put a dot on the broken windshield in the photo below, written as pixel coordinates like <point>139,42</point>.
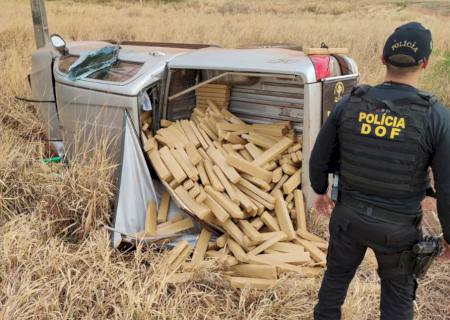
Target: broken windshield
<point>89,63</point>
<point>98,65</point>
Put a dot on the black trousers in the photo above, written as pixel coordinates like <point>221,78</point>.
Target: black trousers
<point>351,233</point>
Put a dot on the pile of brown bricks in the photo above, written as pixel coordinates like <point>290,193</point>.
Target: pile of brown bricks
<point>243,179</point>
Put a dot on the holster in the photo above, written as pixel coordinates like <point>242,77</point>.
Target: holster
<point>416,261</point>
<point>424,254</point>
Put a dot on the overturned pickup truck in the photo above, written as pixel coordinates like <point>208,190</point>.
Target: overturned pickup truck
<point>134,89</point>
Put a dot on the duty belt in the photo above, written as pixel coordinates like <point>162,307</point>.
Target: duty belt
<point>380,213</point>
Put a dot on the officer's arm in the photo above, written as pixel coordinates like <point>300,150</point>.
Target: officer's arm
<point>440,165</point>
<point>325,152</point>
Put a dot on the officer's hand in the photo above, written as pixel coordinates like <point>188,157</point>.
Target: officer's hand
<point>323,204</point>
<point>445,255</point>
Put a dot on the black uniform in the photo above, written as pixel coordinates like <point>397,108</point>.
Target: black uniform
<point>383,140</point>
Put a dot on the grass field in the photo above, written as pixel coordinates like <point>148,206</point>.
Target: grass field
<point>55,259</point>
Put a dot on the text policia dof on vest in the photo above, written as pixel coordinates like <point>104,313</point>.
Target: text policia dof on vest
<point>381,125</point>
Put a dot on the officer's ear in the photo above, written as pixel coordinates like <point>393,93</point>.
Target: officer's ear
<point>383,61</point>
<point>425,63</point>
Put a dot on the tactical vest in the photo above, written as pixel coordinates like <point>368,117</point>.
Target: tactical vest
<point>383,144</point>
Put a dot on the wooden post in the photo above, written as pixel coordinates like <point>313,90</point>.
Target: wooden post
<point>40,24</point>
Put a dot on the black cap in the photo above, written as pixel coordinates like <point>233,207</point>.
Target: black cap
<point>408,46</point>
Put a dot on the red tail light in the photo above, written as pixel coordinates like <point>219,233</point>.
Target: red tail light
<point>321,66</point>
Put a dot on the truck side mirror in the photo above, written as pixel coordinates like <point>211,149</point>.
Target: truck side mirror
<point>58,43</point>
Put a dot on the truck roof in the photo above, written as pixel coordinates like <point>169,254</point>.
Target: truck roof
<point>141,53</point>
<point>262,60</point>
<point>156,56</point>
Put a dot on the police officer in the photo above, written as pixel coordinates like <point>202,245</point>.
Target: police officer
<point>383,139</point>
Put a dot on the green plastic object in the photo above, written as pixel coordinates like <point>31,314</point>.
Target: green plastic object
<point>52,160</point>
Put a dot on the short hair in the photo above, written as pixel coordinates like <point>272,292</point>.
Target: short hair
<point>402,59</point>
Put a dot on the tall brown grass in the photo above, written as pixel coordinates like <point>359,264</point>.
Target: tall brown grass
<point>56,261</point>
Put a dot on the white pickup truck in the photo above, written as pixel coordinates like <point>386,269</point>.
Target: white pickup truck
<point>267,85</point>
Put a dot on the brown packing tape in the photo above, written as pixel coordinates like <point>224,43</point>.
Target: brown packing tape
<point>264,186</point>
<point>188,185</point>
<point>253,150</point>
<point>163,207</point>
<point>220,213</point>
<point>315,252</point>
<point>222,240</point>
<point>181,258</point>
<point>244,154</point>
<point>246,203</point>
<point>250,231</point>
<point>234,232</point>
<point>287,247</point>
<point>279,184</point>
<point>266,196</point>
<point>300,210</point>
<point>223,257</point>
<point>230,189</point>
<point>284,220</point>
<point>304,234</point>
<point>289,169</point>
<point>172,165</point>
<point>176,227</point>
<point>159,166</point>
<point>199,209</point>
<point>150,219</point>
<point>183,160</point>
<point>279,147</point>
<point>231,207</point>
<point>257,223</point>
<point>200,247</point>
<point>175,252</point>
<point>233,126</point>
<point>190,132</point>
<point>277,174</point>
<point>293,182</point>
<point>198,135</point>
<point>237,250</point>
<point>256,198</point>
<point>221,162</point>
<point>248,167</point>
<point>270,221</point>
<point>298,257</point>
<point>215,182</point>
<point>278,236</point>
<point>255,270</point>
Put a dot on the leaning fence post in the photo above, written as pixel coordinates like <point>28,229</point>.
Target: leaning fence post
<point>39,22</point>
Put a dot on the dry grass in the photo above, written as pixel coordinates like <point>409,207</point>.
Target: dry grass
<point>56,262</point>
